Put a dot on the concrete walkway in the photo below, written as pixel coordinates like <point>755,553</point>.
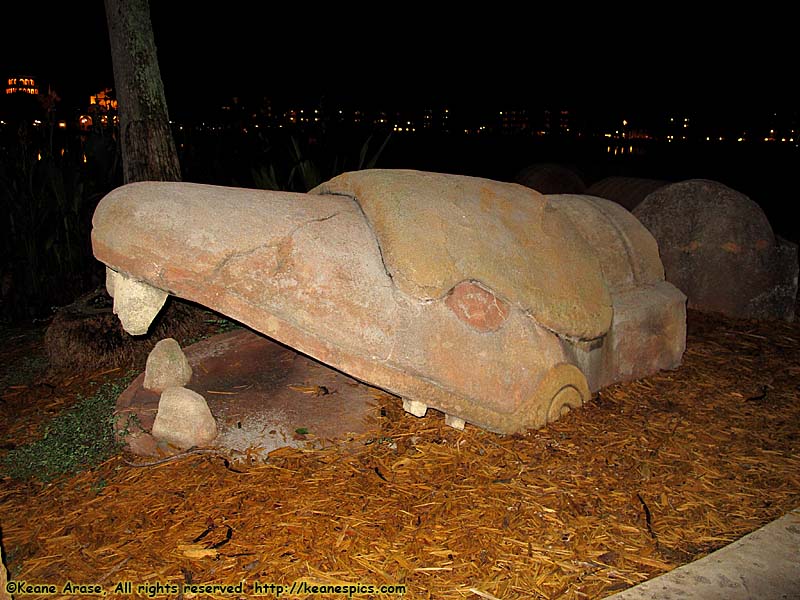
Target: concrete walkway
<point>764,565</point>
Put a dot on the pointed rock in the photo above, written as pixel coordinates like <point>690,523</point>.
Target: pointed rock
<point>135,303</point>
<point>184,419</point>
<point>166,367</point>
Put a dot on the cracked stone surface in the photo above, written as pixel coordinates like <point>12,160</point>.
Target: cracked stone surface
<point>487,301</point>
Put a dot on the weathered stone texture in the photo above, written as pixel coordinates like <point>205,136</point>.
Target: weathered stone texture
<point>648,331</point>
<point>136,304</point>
<point>437,230</point>
<point>484,300</point>
<point>718,247</point>
<point>166,367</point>
<point>184,419</point>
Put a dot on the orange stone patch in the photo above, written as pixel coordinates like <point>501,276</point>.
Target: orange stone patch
<point>732,247</point>
<point>477,307</point>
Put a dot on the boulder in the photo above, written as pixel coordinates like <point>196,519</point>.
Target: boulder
<point>718,247</point>
<point>551,178</point>
<point>184,419</point>
<point>625,191</point>
<point>488,301</point>
<point>166,367</point>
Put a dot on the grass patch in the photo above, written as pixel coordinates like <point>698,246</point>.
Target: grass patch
<point>78,438</point>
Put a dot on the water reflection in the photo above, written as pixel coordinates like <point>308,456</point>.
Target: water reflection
<point>625,149</point>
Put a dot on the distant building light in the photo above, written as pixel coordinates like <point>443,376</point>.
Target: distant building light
<point>39,156</point>
<point>708,139</point>
<point>37,122</point>
<point>740,140</point>
<point>624,123</point>
<point>62,124</point>
<point>608,135</point>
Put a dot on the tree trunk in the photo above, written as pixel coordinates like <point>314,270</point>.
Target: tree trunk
<point>148,150</point>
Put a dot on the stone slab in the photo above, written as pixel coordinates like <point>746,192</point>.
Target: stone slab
<point>260,393</point>
<point>763,565</point>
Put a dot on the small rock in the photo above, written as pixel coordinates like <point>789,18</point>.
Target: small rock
<point>184,419</point>
<point>167,367</point>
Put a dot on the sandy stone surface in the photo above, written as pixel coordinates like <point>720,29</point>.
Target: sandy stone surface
<point>484,300</point>
<point>166,367</point>
<point>184,419</point>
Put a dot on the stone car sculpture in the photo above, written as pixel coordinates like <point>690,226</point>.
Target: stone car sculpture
<point>488,301</point>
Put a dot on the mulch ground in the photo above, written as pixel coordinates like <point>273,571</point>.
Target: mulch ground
<point>650,475</point>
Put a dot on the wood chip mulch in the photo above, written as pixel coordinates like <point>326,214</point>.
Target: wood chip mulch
<point>650,475</point>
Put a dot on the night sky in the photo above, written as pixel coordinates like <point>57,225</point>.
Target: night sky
<point>209,52</point>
